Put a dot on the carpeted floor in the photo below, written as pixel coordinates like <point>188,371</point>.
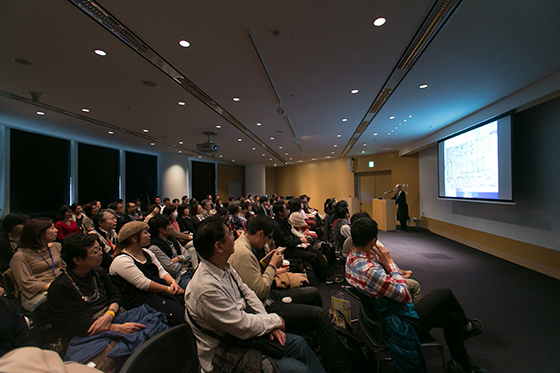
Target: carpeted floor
<point>520,308</point>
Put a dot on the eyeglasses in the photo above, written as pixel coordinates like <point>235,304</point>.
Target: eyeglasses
<point>95,251</point>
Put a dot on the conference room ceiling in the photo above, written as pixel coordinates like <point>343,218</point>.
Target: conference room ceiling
<point>315,52</point>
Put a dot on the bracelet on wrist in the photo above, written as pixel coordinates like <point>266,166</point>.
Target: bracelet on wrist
<point>110,312</point>
<point>168,290</point>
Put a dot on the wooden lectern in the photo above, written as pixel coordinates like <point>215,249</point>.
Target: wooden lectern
<point>383,212</point>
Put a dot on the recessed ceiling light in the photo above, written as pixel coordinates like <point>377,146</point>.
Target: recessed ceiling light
<point>145,130</point>
<point>379,21</point>
<point>233,160</point>
<point>335,145</point>
<point>258,124</point>
<point>184,44</point>
<point>400,124</point>
<point>221,156</point>
<point>290,159</point>
<point>332,152</point>
<point>180,143</point>
<point>263,154</point>
<point>404,120</point>
<point>199,157</point>
<point>410,116</point>
<point>110,132</point>
<point>422,86</point>
<point>270,159</point>
<point>392,130</point>
<point>181,103</point>
<point>279,147</point>
<point>253,148</point>
<point>152,144</point>
<point>85,110</point>
<point>40,113</point>
<point>339,135</point>
<point>218,126</point>
<point>180,151</point>
<point>397,127</point>
<point>344,119</point>
<point>239,139</point>
<point>375,134</point>
<point>312,159</point>
<point>328,156</point>
<point>363,151</point>
<point>286,154</point>
<point>236,99</point>
<point>272,138</point>
<point>389,133</point>
<point>391,117</point>
<point>354,91</point>
<point>274,164</point>
<point>365,144</point>
<point>99,52</point>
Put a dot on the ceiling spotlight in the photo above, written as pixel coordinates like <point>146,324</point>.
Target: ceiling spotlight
<point>270,159</point>
<point>422,86</point>
<point>218,126</point>
<point>221,156</point>
<point>375,134</point>
<point>180,151</point>
<point>40,113</point>
<point>365,144</point>
<point>152,144</point>
<point>404,120</point>
<point>145,130</point>
<point>253,148</point>
<point>258,124</point>
<point>180,143</point>
<point>233,160</point>
<point>344,119</point>
<point>99,52</point>
<point>354,91</point>
<point>363,151</point>
<point>335,145</point>
<point>239,139</point>
<point>279,147</point>
<point>290,159</point>
<point>410,116</point>
<point>272,138</point>
<point>332,152</point>
<point>391,117</point>
<point>236,99</point>
<point>379,22</point>
<point>339,135</point>
<point>184,44</point>
<point>263,154</point>
<point>181,103</point>
<point>85,110</point>
<point>110,132</point>
<point>397,127</point>
<point>274,164</point>
<point>199,157</point>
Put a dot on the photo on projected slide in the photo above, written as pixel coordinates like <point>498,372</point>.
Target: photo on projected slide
<point>471,164</point>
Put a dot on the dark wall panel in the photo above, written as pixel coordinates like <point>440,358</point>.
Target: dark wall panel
<point>141,176</point>
<point>39,173</point>
<point>98,174</point>
<point>203,179</point>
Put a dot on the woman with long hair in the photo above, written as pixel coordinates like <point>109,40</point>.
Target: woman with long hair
<point>37,263</point>
<point>65,225</point>
<point>140,277</point>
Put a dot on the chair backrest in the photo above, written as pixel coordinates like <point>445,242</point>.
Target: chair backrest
<point>370,317</point>
<point>171,351</point>
<point>9,284</point>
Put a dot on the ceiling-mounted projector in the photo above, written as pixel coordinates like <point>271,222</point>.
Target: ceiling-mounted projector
<point>208,146</point>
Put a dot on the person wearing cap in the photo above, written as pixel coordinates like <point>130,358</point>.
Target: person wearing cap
<point>140,277</point>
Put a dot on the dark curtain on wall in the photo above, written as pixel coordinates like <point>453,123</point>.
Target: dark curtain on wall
<point>39,173</point>
<point>141,177</point>
<point>203,179</point>
<point>98,174</point>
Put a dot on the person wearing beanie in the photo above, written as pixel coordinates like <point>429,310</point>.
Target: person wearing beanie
<point>140,277</point>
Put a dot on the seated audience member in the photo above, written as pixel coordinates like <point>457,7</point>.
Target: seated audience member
<point>218,204</point>
<point>244,212</point>
<point>166,202</point>
<point>370,268</point>
<point>37,263</point>
<point>153,210</point>
<point>185,200</point>
<point>14,332</point>
<point>309,213</point>
<point>305,313</point>
<point>223,213</point>
<point>140,278</point>
<point>90,210</point>
<point>119,212</point>
<point>297,219</point>
<point>297,247</point>
<point>78,215</point>
<point>157,201</point>
<point>138,203</point>
<point>341,230</point>
<point>83,302</point>
<point>105,223</point>
<point>131,212</point>
<point>176,202</point>
<point>65,225</point>
<point>173,257</point>
<point>171,212</point>
<point>264,208</point>
<point>208,208</point>
<point>234,223</point>
<point>197,212</point>
<point>9,238</point>
<point>413,285</point>
<point>184,219</point>
<point>218,302</point>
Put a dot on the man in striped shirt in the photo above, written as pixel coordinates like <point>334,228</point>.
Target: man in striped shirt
<point>371,269</point>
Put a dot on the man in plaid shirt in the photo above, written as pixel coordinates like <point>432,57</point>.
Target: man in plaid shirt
<point>371,269</point>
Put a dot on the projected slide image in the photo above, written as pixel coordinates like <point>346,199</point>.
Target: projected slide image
<point>471,163</point>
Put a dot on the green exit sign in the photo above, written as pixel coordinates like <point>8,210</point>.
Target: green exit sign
<point>370,164</point>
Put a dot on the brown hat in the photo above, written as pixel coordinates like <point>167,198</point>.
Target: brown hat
<point>131,229</point>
